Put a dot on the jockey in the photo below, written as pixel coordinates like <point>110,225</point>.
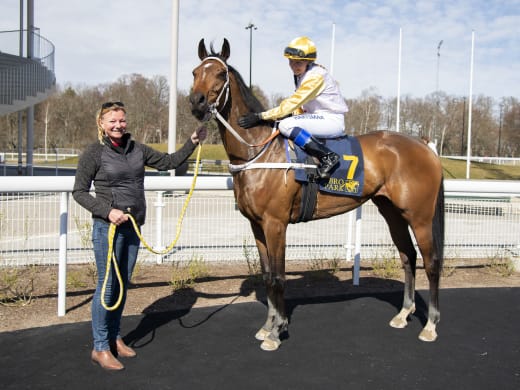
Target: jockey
<point>317,106</point>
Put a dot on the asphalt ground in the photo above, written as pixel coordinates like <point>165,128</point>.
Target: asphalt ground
<point>336,342</point>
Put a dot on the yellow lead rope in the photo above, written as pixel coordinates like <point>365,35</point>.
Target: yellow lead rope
<point>111,257</point>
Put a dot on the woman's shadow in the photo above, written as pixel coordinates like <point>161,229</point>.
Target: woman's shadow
<point>170,308</point>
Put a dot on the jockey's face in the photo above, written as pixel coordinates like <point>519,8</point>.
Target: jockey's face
<point>298,67</point>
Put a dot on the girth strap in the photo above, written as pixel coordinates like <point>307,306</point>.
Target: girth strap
<point>309,196</point>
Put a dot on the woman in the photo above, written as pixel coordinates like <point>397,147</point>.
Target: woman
<point>317,106</point>
<point>116,167</point>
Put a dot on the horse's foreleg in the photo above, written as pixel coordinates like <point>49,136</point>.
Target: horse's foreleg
<point>272,257</point>
<point>276,322</point>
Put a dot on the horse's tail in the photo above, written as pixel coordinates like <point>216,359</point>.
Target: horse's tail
<point>438,227</point>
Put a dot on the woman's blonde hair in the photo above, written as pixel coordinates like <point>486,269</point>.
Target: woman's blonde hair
<point>107,107</point>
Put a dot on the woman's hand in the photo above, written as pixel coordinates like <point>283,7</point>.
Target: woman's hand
<point>117,217</point>
<point>199,135</point>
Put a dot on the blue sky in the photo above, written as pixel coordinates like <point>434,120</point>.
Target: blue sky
<point>98,41</point>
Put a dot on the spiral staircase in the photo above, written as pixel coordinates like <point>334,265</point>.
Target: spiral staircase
<point>24,81</point>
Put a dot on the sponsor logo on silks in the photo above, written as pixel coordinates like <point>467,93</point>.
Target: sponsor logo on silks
<point>310,116</point>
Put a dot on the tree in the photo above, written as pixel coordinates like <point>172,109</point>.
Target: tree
<point>68,118</point>
<point>364,113</point>
<point>510,127</point>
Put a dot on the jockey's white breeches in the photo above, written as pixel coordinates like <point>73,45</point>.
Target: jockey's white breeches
<point>321,125</point>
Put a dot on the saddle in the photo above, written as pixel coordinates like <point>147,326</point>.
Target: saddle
<point>346,178</point>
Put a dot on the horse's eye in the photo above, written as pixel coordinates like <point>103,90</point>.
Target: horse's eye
<point>222,75</point>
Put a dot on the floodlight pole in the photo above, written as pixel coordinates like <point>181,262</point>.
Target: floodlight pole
<point>250,27</point>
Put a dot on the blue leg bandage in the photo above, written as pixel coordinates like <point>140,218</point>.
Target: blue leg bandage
<point>300,136</point>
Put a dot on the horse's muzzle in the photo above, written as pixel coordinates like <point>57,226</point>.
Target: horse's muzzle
<point>199,106</point>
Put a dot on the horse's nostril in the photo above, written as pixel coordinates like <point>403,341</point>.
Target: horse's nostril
<point>197,99</point>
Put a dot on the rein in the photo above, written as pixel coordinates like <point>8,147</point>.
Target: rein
<point>111,256</point>
<point>222,120</point>
<point>214,110</point>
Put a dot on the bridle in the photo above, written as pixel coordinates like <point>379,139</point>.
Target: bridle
<point>225,89</point>
<point>213,109</point>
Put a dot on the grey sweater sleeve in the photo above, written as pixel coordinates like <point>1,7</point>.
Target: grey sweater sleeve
<point>88,167</point>
<point>165,161</point>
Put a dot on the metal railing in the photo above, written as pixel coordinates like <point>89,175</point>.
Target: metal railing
<point>41,224</point>
<point>24,79</point>
<point>30,223</point>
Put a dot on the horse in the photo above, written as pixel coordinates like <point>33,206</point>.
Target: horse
<point>402,177</point>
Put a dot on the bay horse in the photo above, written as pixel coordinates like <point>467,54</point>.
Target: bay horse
<point>402,177</point>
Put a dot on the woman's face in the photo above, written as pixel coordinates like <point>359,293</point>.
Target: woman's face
<point>114,124</point>
<point>298,67</point>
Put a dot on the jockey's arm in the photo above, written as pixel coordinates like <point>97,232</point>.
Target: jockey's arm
<point>308,90</point>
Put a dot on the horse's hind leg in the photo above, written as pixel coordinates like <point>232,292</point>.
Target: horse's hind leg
<point>433,268</point>
<point>398,227</point>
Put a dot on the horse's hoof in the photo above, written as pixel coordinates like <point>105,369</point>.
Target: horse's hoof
<point>428,334</point>
<point>270,345</point>
<point>398,322</point>
<point>262,334</point>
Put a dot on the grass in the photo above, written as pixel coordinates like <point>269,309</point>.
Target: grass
<point>321,267</point>
<point>456,169</point>
<point>185,275</point>
<point>501,265</point>
<point>386,266</point>
<point>252,259</point>
<point>15,290</point>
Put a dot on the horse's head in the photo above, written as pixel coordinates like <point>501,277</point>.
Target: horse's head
<point>210,81</point>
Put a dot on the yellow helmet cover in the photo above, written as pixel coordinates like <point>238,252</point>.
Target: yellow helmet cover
<point>301,48</point>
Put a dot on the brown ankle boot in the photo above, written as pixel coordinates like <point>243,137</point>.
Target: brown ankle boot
<point>106,360</point>
<point>120,349</point>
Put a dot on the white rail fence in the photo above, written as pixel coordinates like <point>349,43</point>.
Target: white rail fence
<point>41,224</point>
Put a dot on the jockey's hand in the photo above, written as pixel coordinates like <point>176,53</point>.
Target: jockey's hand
<point>250,120</point>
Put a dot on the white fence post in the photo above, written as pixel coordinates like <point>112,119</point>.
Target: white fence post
<point>357,248</point>
<point>62,262</point>
<point>159,205</point>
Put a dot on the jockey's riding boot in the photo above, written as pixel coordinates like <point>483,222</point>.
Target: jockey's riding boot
<point>328,159</point>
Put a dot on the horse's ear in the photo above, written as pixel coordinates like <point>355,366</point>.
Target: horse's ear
<point>226,51</point>
<point>203,53</point>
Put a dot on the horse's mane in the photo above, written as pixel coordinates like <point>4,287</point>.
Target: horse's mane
<point>250,99</point>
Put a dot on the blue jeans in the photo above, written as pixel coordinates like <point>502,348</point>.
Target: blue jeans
<point>106,324</point>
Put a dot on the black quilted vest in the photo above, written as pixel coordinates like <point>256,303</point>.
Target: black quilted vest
<point>125,173</point>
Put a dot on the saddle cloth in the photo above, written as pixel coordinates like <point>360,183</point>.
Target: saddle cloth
<point>347,178</point>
